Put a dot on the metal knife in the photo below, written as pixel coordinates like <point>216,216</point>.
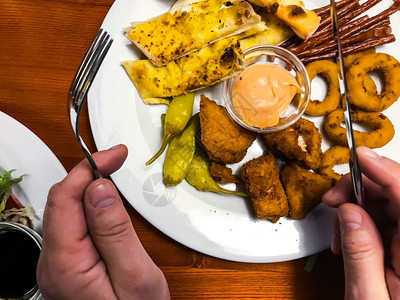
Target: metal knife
<point>355,171</point>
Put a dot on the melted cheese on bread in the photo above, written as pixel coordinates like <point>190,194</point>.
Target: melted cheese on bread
<point>179,32</point>
<point>303,22</point>
<point>197,70</point>
<point>276,33</point>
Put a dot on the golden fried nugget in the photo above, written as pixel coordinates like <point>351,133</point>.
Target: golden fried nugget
<point>222,174</point>
<point>304,189</point>
<point>301,141</point>
<point>261,177</point>
<point>225,141</point>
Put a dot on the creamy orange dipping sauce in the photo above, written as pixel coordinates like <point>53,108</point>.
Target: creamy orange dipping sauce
<point>262,93</point>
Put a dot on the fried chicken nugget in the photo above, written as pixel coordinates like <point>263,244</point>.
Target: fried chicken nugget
<point>225,141</point>
<point>222,174</point>
<point>304,189</point>
<point>261,178</point>
<point>301,141</point>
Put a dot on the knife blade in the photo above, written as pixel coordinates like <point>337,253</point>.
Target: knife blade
<point>355,171</point>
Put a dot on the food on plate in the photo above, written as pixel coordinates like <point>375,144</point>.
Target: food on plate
<point>367,81</point>
<point>304,189</point>
<point>275,33</point>
<point>207,63</point>
<point>222,174</point>
<point>335,155</point>
<point>329,71</point>
<point>178,115</point>
<point>190,27</point>
<point>199,43</point>
<point>10,208</point>
<point>261,27</point>
<point>302,21</point>
<point>210,65</point>
<point>180,153</point>
<point>357,33</point>
<point>349,59</point>
<point>225,141</point>
<point>262,92</point>
<point>261,177</point>
<point>162,117</point>
<point>365,98</point>
<point>382,129</point>
<point>301,142</point>
<point>199,176</point>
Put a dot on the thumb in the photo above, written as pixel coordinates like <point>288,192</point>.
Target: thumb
<point>112,233</point>
<point>363,254</point>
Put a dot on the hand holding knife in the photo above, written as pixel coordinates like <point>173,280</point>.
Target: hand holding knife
<point>355,171</point>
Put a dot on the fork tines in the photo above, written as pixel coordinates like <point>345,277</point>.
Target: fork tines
<point>89,67</point>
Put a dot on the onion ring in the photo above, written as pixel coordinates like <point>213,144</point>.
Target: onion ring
<point>336,155</point>
<point>360,92</point>
<point>367,80</point>
<point>383,129</point>
<point>349,59</point>
<point>329,71</point>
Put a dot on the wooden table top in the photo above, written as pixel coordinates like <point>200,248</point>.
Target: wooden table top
<point>42,45</point>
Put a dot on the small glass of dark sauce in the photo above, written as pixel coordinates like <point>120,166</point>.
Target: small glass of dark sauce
<point>19,254</point>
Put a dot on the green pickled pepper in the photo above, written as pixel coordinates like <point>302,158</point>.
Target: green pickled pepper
<point>162,120</point>
<point>199,176</point>
<point>180,153</point>
<point>178,114</point>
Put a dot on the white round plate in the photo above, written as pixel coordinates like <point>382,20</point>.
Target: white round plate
<point>22,150</point>
<point>217,225</point>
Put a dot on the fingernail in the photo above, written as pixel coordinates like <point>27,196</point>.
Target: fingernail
<point>115,147</point>
<point>368,152</point>
<point>102,195</point>
<point>349,219</point>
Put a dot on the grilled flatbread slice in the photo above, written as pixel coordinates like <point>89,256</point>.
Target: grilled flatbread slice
<point>191,26</point>
<point>303,22</point>
<point>276,33</point>
<point>210,65</point>
<point>182,5</point>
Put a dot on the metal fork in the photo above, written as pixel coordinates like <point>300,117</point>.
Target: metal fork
<point>81,84</point>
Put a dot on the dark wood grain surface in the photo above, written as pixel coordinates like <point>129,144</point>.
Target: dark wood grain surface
<point>42,43</point>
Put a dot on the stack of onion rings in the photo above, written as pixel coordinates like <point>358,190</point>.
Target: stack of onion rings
<point>382,128</point>
<point>361,92</point>
<point>329,71</point>
<point>336,155</point>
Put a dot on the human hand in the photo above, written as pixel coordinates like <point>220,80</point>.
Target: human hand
<point>90,249</point>
<point>370,243</point>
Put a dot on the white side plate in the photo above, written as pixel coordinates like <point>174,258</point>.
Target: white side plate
<point>22,150</point>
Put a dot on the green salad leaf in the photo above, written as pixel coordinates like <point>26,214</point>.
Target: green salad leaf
<point>6,181</point>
